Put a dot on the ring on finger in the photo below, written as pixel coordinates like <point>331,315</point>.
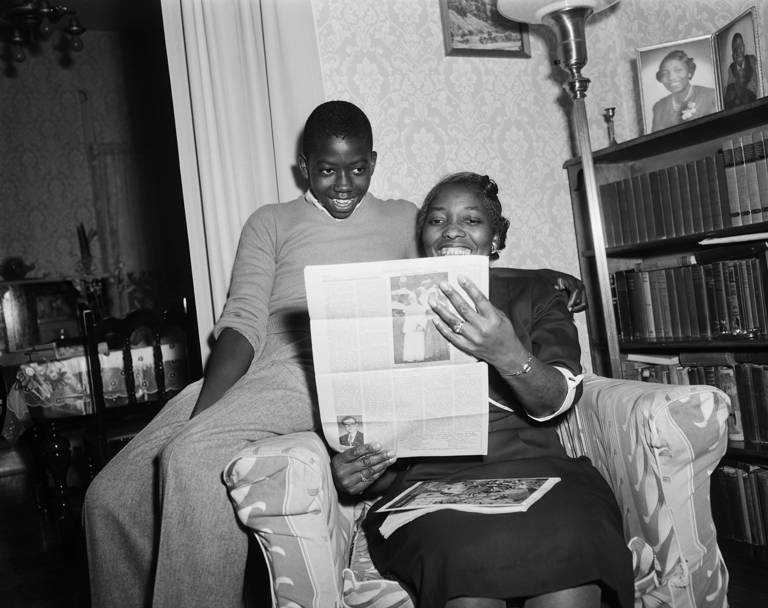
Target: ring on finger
<point>363,476</point>
<point>458,327</point>
<point>367,461</point>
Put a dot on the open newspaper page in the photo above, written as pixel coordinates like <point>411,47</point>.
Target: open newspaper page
<point>383,371</point>
<point>501,495</point>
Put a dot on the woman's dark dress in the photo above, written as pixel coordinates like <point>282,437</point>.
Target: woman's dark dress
<point>571,536</point>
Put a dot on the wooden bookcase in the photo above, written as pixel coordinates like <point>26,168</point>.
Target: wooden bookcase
<point>693,311</point>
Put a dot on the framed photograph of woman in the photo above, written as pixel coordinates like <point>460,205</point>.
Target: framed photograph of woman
<point>475,27</point>
<point>740,74</point>
<point>678,82</point>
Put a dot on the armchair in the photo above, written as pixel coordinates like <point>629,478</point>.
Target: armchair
<point>655,444</point>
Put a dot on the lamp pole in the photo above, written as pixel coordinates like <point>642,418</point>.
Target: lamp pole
<point>567,19</point>
<point>569,27</point>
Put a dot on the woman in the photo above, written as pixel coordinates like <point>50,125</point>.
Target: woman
<point>685,100</point>
<point>568,548</point>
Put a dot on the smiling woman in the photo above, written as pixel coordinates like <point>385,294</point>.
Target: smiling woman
<point>677,82</point>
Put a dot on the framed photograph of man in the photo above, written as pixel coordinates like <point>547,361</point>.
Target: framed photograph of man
<point>740,74</point>
<point>475,27</point>
<point>678,82</point>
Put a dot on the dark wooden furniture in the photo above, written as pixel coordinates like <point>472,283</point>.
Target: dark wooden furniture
<point>132,367</point>
<point>643,233</point>
<point>168,339</point>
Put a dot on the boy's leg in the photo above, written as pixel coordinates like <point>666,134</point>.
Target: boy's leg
<point>119,512</point>
<point>202,550</point>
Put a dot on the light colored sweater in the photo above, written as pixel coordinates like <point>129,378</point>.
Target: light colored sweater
<point>279,240</point>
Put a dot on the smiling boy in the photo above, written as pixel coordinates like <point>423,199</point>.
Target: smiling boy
<point>159,526</point>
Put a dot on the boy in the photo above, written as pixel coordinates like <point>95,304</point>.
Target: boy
<point>159,525</point>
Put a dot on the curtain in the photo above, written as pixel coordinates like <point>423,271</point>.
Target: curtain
<point>244,76</point>
<point>122,220</point>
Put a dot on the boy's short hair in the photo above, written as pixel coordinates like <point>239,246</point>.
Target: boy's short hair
<point>340,119</point>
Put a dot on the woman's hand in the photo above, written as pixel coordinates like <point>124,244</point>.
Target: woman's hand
<point>483,331</point>
<point>355,469</point>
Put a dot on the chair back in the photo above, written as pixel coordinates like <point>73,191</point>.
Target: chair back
<point>135,365</point>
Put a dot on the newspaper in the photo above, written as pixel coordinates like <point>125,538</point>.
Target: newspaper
<point>383,371</point>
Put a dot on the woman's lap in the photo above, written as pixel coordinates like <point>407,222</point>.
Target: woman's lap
<point>571,536</point>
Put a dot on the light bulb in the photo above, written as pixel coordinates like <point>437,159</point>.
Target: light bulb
<point>76,43</point>
<point>17,53</point>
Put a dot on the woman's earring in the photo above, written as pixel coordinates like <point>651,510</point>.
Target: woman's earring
<point>494,249</point>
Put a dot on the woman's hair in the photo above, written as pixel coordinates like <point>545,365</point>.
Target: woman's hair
<point>487,192</point>
<point>340,119</point>
<point>680,56</point>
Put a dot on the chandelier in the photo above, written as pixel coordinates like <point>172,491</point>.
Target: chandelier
<point>25,24</point>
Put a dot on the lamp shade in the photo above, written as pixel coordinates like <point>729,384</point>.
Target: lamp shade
<point>534,11</point>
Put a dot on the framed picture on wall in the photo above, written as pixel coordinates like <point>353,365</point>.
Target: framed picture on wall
<point>740,74</point>
<point>476,28</point>
<point>678,82</point>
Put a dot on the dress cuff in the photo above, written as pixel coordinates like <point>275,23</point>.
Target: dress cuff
<point>573,383</point>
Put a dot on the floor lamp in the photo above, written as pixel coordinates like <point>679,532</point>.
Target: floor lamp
<point>567,18</point>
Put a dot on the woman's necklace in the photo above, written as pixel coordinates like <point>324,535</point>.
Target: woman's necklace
<point>676,105</point>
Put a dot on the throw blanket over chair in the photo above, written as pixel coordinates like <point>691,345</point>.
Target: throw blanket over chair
<point>655,444</point>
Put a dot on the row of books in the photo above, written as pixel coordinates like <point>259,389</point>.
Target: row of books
<point>742,375</point>
<point>740,381</point>
<point>697,301</point>
<point>722,190</point>
<point>739,495</point>
<point>745,162</point>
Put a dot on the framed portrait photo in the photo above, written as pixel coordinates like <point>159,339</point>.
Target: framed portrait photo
<point>678,82</point>
<point>477,28</point>
<point>739,69</point>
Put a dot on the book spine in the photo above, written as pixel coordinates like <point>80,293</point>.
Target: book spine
<point>761,160</point>
<point>653,231</point>
<point>608,200</point>
<point>657,204</point>
<point>637,306</point>
<point>726,381</point>
<point>722,314</point>
<point>705,198</point>
<point>661,308</point>
<point>729,170</point>
<point>709,288</point>
<point>674,311</point>
<point>623,305</point>
<point>702,302</point>
<point>746,401</point>
<point>675,200</point>
<point>648,316</point>
<point>693,306</point>
<point>628,227</point>
<point>745,205</point>
<point>685,199</point>
<point>640,208</point>
<point>735,319</point>
<point>693,187</point>
<point>683,294</point>
<point>753,184</point>
<point>665,194</point>
<point>722,505</point>
<point>720,210</point>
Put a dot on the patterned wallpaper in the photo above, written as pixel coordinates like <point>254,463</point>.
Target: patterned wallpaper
<point>46,115</point>
<point>114,100</point>
<point>433,114</point>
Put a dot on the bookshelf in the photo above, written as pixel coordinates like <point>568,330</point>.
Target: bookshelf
<point>685,225</point>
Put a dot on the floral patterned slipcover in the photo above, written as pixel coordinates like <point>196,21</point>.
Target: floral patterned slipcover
<point>656,445</point>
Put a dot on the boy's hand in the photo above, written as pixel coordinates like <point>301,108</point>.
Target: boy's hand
<point>574,288</point>
<point>357,468</point>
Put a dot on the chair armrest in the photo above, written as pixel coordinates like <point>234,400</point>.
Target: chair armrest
<point>283,491</point>
<point>657,445</point>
